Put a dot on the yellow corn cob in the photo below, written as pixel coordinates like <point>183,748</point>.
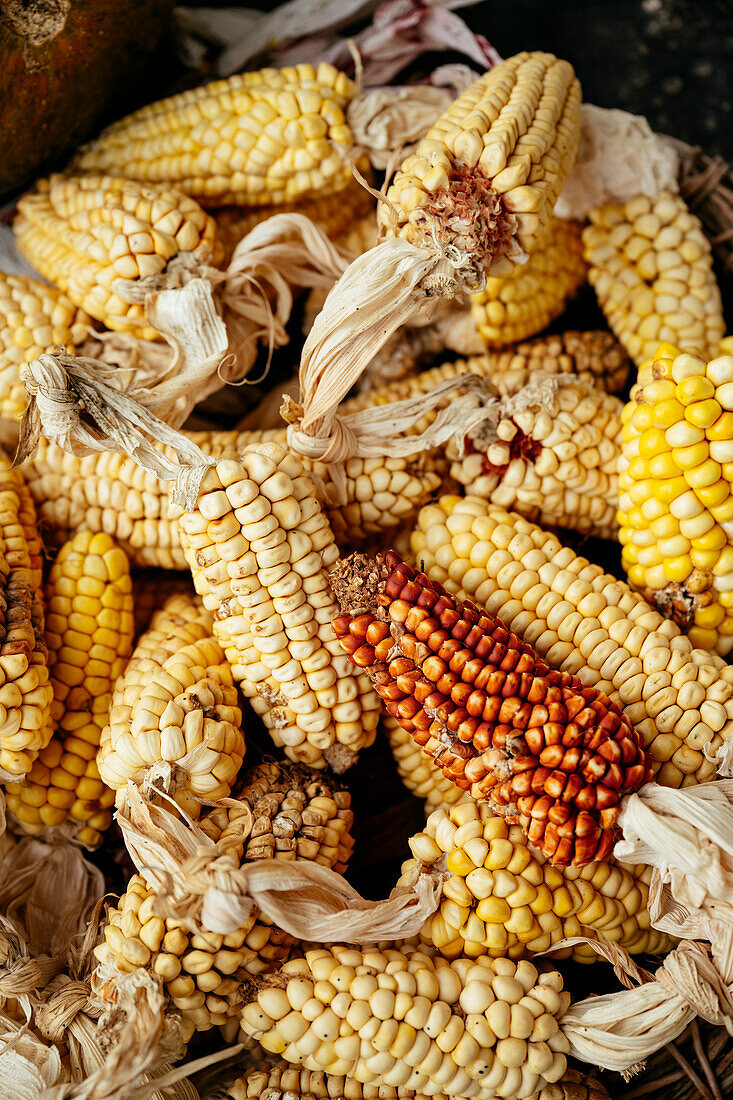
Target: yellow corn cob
<point>471,1028</point>
<point>491,168</point>
<point>95,237</point>
<point>525,301</point>
<point>282,813</point>
<point>106,492</point>
<point>176,697</point>
<point>588,623</point>
<point>652,269</point>
<point>89,630</point>
<point>553,460</point>
<point>417,770</point>
<point>34,318</point>
<point>551,452</point>
<point>254,139</point>
<point>337,215</point>
<point>259,548</point>
<point>676,505</point>
<point>506,900</point>
<point>281,1081</point>
<point>25,689</point>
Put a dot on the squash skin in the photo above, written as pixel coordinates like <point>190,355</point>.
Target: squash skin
<point>63,64</point>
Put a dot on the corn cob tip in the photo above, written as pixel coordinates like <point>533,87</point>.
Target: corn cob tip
<point>546,752</point>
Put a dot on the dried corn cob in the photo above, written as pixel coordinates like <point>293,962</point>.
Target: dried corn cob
<point>524,302</point>
<point>254,139</point>
<point>34,318</point>
<point>550,453</point>
<point>89,631</point>
<point>492,167</point>
<point>337,215</point>
<point>259,545</point>
<point>280,812</point>
<point>651,266</point>
<point>546,752</point>
<point>176,703</point>
<point>417,770</point>
<point>676,504</point>
<point>108,492</point>
<point>25,690</point>
<point>472,1028</point>
<point>506,901</point>
<point>586,622</point>
<point>95,237</point>
<point>549,449</point>
<point>280,1080</point>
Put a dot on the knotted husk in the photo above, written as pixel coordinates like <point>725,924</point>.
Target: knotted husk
<point>200,882</point>
<point>213,320</point>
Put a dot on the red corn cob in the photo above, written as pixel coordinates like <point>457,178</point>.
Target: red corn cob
<point>547,752</point>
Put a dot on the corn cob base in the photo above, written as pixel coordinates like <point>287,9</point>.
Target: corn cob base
<point>282,813</point>
<point>546,751</point>
<point>506,900</point>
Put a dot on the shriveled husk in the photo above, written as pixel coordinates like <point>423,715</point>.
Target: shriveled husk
<point>58,1041</point>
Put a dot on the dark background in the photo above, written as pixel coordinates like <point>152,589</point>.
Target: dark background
<point>667,59</point>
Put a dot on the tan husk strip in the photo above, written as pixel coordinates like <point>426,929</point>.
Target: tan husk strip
<point>198,881</point>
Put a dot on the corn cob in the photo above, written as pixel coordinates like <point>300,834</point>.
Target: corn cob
<point>176,703</point>
<point>585,621</point>
<point>259,545</point>
<point>280,812</point>
<point>524,302</point>
<point>593,357</point>
<point>491,168</point>
<point>675,481</point>
<point>25,690</point>
<point>505,900</point>
<point>551,454</point>
<point>95,237</point>
<point>34,318</point>
<point>89,631</point>
<point>547,752</point>
<point>417,770</point>
<point>108,492</point>
<point>281,1081</point>
<point>471,1028</point>
<point>255,139</point>
<point>651,266</point>
<point>337,215</point>
<point>550,449</point>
